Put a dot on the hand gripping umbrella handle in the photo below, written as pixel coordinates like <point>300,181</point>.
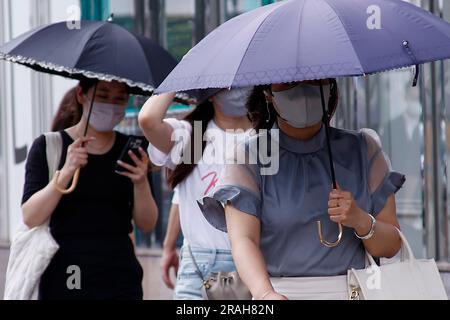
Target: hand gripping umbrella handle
<point>72,186</point>
<point>77,172</point>
<point>326,122</point>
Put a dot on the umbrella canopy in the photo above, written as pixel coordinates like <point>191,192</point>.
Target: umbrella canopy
<point>98,50</point>
<point>297,40</point>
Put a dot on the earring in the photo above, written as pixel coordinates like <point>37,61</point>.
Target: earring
<point>268,111</point>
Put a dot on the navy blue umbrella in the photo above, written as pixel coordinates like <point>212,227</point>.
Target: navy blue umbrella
<point>97,50</point>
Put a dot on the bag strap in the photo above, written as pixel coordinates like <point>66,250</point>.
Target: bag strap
<point>197,269</point>
<point>53,151</point>
<point>406,253</point>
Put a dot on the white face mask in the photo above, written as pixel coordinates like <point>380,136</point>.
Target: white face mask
<point>301,106</point>
<point>233,102</point>
<point>105,116</point>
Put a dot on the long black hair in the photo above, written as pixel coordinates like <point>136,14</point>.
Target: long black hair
<point>204,112</point>
<point>263,115</point>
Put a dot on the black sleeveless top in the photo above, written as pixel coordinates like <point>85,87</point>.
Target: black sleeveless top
<point>91,225</point>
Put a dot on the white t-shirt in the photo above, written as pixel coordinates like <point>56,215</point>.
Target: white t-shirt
<point>196,229</point>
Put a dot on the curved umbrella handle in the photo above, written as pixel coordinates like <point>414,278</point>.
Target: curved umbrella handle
<point>73,185</point>
<point>324,241</point>
<point>77,172</point>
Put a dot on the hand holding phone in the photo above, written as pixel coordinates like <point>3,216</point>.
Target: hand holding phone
<point>133,145</point>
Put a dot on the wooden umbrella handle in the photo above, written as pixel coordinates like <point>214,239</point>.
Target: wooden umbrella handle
<point>73,185</point>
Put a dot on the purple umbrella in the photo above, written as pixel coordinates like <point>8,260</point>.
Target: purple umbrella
<point>296,40</point>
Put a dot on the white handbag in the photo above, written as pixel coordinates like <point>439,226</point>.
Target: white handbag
<point>32,249</point>
<point>408,279</point>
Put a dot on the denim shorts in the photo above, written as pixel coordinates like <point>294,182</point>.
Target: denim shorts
<point>189,284</point>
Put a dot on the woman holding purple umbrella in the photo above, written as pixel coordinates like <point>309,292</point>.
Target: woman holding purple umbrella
<point>271,218</point>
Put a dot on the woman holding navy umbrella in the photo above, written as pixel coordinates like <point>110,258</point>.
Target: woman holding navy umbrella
<point>90,220</point>
<point>93,223</point>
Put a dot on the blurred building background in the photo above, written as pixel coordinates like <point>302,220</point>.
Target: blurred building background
<point>412,122</point>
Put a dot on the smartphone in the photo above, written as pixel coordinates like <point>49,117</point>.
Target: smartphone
<point>133,144</point>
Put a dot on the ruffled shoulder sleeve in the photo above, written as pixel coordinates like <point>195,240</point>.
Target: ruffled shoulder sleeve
<point>238,186</point>
<point>382,180</point>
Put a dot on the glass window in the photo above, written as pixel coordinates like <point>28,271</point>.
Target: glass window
<point>396,115</point>
<point>179,18</point>
<point>236,7</point>
<point>389,104</point>
<point>124,14</point>
<point>233,8</point>
<point>94,9</point>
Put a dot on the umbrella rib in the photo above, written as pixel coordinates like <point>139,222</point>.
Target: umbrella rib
<point>420,10</point>
<point>436,29</point>
<point>99,74</point>
<point>84,47</point>
<point>69,69</point>
<point>115,53</point>
<point>209,60</point>
<point>39,29</point>
<point>299,34</point>
<point>149,65</point>
<point>61,44</point>
<point>346,32</point>
<point>253,37</point>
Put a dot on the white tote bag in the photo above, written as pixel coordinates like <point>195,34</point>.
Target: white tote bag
<point>32,249</point>
<point>408,279</point>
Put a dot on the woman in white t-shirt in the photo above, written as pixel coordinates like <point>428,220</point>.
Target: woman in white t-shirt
<point>215,126</point>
